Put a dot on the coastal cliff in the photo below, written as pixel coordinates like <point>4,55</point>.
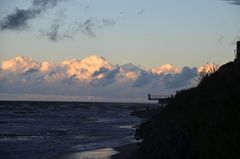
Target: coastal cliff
<point>200,123</point>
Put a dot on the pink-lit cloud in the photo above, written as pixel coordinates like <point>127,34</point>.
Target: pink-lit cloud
<point>92,78</point>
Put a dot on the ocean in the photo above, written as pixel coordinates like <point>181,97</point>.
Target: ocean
<point>69,130</point>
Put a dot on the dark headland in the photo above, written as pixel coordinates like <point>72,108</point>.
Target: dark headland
<point>198,123</point>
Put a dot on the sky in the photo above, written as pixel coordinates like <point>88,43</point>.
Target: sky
<point>144,32</point>
<point>131,40</point>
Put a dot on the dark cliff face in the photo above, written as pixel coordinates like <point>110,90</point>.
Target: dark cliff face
<point>199,123</point>
<point>238,50</point>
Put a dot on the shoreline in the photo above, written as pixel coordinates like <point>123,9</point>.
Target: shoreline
<point>126,151</point>
<point>120,152</point>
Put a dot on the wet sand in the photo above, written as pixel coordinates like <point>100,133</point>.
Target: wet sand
<point>125,151</point>
<point>91,154</point>
<point>122,152</point>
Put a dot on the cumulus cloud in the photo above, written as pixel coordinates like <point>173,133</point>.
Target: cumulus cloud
<point>19,64</point>
<point>180,80</point>
<point>19,18</point>
<point>166,68</point>
<point>92,76</point>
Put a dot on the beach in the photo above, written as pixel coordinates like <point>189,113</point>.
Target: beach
<point>126,151</point>
<point>84,128</point>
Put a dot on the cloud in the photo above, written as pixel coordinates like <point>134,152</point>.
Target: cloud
<point>55,32</point>
<point>235,39</point>
<point>109,77</point>
<point>184,79</point>
<point>90,25</point>
<point>144,79</point>
<point>19,18</point>
<point>165,68</point>
<point>19,65</point>
<point>141,11</point>
<point>234,2</point>
<point>220,39</point>
<point>44,4</point>
<point>92,76</point>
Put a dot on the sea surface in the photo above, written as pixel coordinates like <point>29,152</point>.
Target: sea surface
<point>69,130</point>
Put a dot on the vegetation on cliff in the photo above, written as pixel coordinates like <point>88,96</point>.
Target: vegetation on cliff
<point>200,123</point>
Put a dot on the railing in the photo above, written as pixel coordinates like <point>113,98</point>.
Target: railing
<point>157,97</point>
<point>162,99</point>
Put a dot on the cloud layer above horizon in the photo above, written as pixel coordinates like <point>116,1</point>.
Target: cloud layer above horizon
<point>92,77</point>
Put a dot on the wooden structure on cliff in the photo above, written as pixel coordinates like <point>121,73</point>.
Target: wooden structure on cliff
<point>162,99</point>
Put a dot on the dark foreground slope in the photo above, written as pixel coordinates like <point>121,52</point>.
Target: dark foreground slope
<point>199,123</point>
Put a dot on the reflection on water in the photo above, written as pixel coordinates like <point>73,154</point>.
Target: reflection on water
<point>94,154</point>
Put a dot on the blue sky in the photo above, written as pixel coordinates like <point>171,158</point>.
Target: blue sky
<point>143,32</point>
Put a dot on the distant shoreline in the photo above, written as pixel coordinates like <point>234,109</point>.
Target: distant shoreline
<point>73,101</point>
